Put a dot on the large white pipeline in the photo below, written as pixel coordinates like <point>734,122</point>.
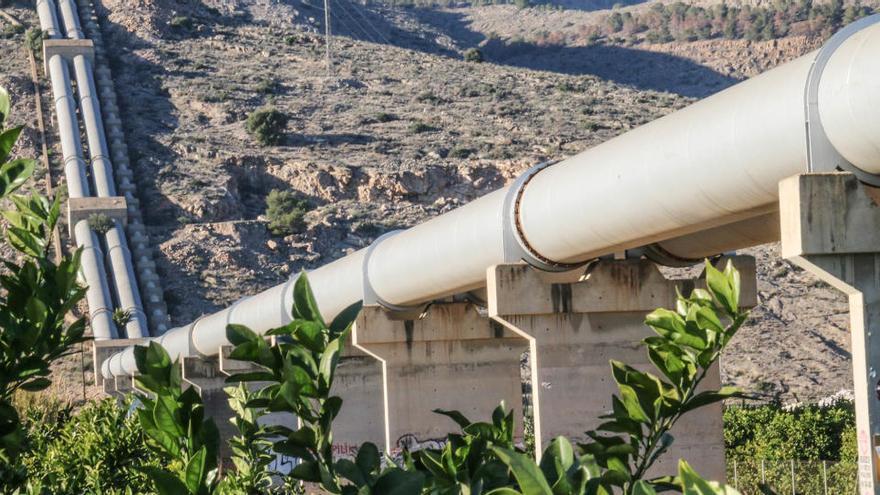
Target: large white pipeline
<point>119,262</point>
<point>700,181</point>
<point>92,270</point>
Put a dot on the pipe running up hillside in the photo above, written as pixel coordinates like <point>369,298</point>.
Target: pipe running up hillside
<point>697,182</point>
<point>119,263</point>
<point>92,270</point>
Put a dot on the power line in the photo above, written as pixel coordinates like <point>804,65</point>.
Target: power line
<point>370,23</point>
<point>360,26</point>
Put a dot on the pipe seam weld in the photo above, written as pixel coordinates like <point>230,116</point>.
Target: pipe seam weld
<point>514,243</point>
<point>822,156</point>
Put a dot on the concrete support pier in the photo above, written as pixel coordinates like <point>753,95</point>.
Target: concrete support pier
<point>830,228</point>
<point>575,328</point>
<point>451,358</point>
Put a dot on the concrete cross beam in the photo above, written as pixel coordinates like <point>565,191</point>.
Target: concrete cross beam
<point>575,326</point>
<point>68,49</point>
<point>103,349</point>
<point>829,226</point>
<point>81,208</point>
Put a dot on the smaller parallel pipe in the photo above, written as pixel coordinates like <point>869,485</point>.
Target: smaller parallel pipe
<point>71,21</point>
<point>93,275</point>
<point>124,282</point>
<point>102,169</point>
<point>68,129</point>
<point>48,19</point>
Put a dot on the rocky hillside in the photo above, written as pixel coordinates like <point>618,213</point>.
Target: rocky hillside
<point>400,128</point>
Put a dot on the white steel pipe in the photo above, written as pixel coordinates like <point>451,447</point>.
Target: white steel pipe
<point>68,128</point>
<point>675,182</point>
<point>125,283</point>
<point>48,18</point>
<point>93,275</point>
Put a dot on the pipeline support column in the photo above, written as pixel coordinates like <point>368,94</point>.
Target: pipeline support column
<point>830,228</point>
<point>575,328</point>
<point>452,358</point>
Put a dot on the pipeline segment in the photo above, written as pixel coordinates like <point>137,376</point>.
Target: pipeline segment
<point>119,261</point>
<point>92,270</point>
<point>708,172</point>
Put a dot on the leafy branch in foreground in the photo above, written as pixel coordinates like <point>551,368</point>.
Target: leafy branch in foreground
<point>36,297</point>
<point>483,459</point>
<point>174,422</point>
<point>688,342</point>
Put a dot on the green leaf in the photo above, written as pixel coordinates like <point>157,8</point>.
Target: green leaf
<point>344,319</point>
<point>396,481</point>
<point>710,397</point>
<point>368,459</point>
<point>195,470</point>
<point>723,287</point>
<point>693,484</point>
<point>456,416</point>
<point>529,477</point>
<point>8,138</point>
<point>14,174</point>
<point>307,471</point>
<point>36,384</point>
<point>304,305</point>
<point>4,105</point>
<point>239,334</point>
<point>643,488</point>
<point>350,471</point>
<point>329,360</point>
<point>165,482</point>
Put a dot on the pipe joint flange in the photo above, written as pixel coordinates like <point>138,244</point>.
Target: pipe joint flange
<point>371,298</point>
<point>516,247</point>
<point>821,154</point>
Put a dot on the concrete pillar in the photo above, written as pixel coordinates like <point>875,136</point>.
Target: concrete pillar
<point>359,382</point>
<point>829,226</point>
<point>452,358</point>
<point>574,327</point>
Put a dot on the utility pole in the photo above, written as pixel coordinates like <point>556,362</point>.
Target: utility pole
<point>327,35</point>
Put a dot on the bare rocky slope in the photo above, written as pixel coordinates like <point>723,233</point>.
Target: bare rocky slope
<point>401,129</point>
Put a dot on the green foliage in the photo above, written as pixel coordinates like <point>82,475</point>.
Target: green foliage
<point>299,371</point>
<point>181,22</point>
<point>251,448</point>
<point>121,317</point>
<point>807,434</point>
<point>100,449</point>
<point>384,117</point>
<point>473,55</point>
<point>286,212</point>
<point>36,296</point>
<point>267,126</point>
<point>419,127</point>
<point>688,342</point>
<point>100,223</point>
<point>174,423</point>
<point>483,459</point>
<point>34,41</point>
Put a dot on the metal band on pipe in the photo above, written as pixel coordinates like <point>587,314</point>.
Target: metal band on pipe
<point>821,154</point>
<point>371,298</point>
<point>516,247</point>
